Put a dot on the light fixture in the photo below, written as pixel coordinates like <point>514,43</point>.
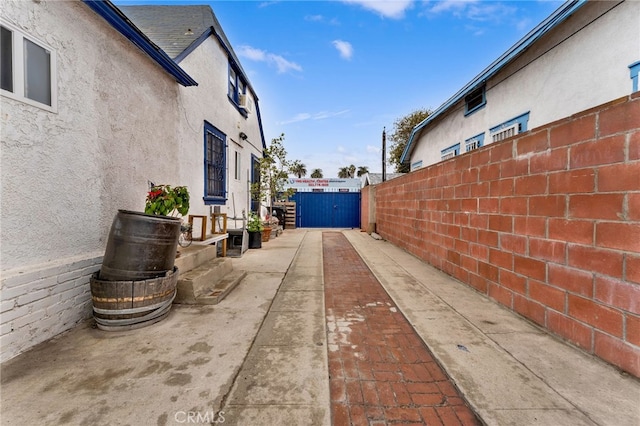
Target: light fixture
<point>243,136</point>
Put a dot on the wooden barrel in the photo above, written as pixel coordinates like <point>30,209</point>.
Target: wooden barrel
<point>140,246</point>
<point>119,305</point>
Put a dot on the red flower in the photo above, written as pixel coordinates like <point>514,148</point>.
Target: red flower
<point>154,194</point>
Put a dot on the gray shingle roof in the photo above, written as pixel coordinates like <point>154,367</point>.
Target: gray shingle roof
<point>175,28</point>
<point>168,26</point>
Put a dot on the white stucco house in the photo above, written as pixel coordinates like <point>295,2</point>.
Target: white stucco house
<point>584,54</point>
<point>98,101</point>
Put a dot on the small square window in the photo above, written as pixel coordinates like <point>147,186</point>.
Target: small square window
<point>450,152</point>
<point>27,69</point>
<point>474,143</point>
<point>238,91</point>
<point>474,100</point>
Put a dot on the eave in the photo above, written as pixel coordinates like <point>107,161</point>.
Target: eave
<point>124,26</point>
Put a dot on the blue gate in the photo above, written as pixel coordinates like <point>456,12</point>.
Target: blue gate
<point>327,209</point>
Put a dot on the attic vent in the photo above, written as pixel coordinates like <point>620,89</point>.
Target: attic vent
<point>505,133</point>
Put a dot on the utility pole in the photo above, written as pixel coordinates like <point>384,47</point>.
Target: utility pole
<point>384,154</point>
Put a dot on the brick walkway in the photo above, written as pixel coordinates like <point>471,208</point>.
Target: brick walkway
<point>380,370</point>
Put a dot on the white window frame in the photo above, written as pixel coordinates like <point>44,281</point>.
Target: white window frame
<point>474,142</point>
<point>17,47</point>
<point>450,152</point>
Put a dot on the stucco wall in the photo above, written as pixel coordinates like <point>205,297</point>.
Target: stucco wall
<point>580,64</point>
<point>208,64</point>
<point>65,174</point>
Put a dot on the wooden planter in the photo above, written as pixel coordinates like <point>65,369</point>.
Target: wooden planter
<point>124,305</point>
<point>140,246</point>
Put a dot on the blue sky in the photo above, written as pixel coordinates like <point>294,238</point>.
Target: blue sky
<point>331,75</point>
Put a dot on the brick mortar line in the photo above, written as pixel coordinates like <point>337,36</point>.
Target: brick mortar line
<point>424,345</point>
<point>488,336</point>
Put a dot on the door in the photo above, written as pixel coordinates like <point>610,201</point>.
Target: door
<point>327,209</point>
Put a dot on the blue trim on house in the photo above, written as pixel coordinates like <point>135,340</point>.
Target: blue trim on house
<point>208,199</point>
<point>264,143</point>
<point>479,138</point>
<point>124,26</point>
<point>455,148</point>
<point>562,13</point>
<point>195,43</point>
<point>468,111</point>
<point>522,119</point>
<point>416,165</point>
<point>634,69</point>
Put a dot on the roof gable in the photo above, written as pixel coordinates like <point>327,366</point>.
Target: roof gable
<point>122,24</point>
<point>178,30</point>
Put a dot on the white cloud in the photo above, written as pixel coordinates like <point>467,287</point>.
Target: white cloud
<point>298,117</point>
<point>474,10</point>
<point>373,149</point>
<point>272,59</point>
<point>344,47</point>
<point>341,149</point>
<point>303,116</point>
<point>325,114</point>
<point>386,8</point>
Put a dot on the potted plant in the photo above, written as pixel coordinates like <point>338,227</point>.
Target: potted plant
<point>270,228</point>
<point>144,245</point>
<point>137,282</point>
<point>164,200</point>
<point>254,228</point>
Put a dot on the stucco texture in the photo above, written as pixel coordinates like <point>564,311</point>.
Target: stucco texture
<point>65,174</point>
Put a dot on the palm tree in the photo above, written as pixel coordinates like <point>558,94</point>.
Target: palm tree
<point>316,174</point>
<point>350,172</point>
<point>362,170</point>
<point>343,173</point>
<point>298,169</point>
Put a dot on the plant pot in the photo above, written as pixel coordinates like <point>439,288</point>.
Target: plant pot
<point>140,246</point>
<point>266,234</point>
<point>255,239</point>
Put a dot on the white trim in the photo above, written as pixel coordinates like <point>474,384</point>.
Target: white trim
<point>505,133</point>
<point>17,39</point>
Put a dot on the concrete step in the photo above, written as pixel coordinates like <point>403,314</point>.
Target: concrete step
<point>208,283</point>
<point>194,256</point>
<point>222,289</point>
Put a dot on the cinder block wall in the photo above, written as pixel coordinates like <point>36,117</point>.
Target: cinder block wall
<point>546,223</point>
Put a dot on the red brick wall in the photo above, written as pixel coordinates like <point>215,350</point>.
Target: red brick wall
<point>546,223</point>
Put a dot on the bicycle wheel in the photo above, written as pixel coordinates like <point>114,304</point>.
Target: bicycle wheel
<point>185,239</point>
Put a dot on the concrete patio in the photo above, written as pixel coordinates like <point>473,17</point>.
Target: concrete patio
<point>260,355</point>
